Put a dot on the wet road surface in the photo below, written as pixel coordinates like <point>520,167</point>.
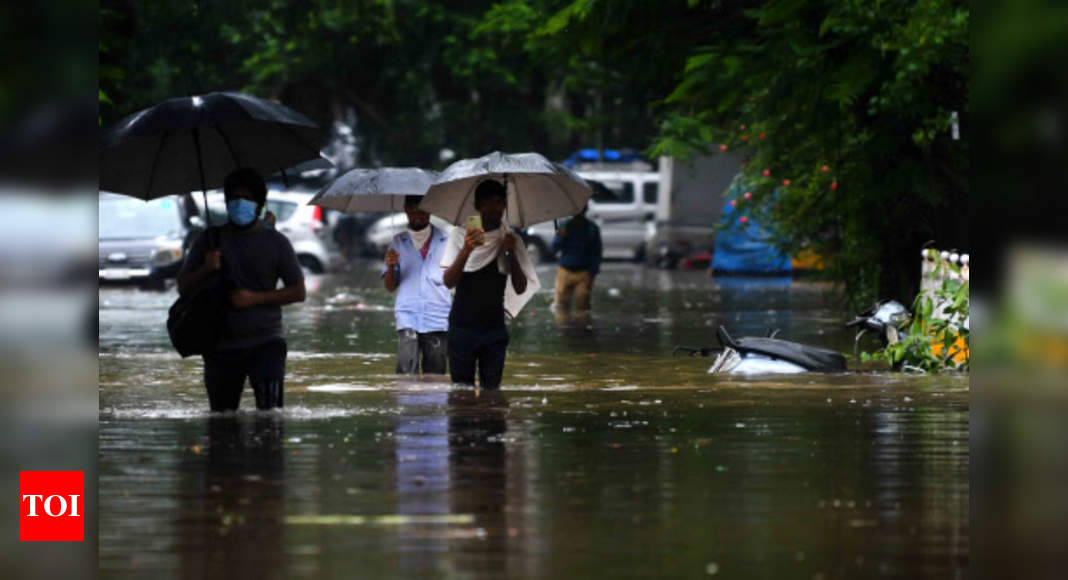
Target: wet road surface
<point>601,456</point>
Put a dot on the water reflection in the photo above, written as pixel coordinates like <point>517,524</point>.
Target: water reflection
<point>232,500</point>
<point>421,476</point>
<point>479,479</point>
<point>577,324</point>
<point>451,458</point>
<point>602,456</point>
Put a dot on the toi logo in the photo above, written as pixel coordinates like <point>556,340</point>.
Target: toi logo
<point>51,506</point>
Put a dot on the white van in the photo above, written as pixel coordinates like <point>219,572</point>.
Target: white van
<point>624,208</point>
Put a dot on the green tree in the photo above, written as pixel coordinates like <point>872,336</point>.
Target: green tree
<point>850,103</point>
<point>421,76</point>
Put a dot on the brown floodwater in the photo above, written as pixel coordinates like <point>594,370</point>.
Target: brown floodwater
<point>602,455</point>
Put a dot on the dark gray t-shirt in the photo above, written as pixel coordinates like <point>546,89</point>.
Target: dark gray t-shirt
<point>254,259</point>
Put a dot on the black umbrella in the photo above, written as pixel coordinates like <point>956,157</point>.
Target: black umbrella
<point>190,143</point>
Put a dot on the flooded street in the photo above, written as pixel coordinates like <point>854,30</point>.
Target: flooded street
<point>602,455</point>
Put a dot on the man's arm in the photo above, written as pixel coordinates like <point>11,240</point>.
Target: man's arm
<point>596,251</point>
<point>452,274</point>
<point>391,278</point>
<point>291,276</point>
<point>199,263</point>
<point>190,279</point>
<point>242,298</point>
<point>519,278</point>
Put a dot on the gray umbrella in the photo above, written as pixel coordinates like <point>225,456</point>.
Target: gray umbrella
<point>381,189</point>
<point>191,143</point>
<point>538,189</point>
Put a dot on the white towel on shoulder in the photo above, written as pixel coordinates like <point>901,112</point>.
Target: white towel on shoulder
<point>482,255</point>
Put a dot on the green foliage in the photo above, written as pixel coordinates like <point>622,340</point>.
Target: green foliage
<point>945,332</point>
<point>866,89</point>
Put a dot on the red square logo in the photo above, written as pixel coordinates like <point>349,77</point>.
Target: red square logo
<point>51,506</point>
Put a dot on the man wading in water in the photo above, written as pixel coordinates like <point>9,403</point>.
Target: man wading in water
<point>480,263</point>
<point>253,257</point>
<point>422,308</point>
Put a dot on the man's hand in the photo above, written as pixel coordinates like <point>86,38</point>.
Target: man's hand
<point>212,260</point>
<point>473,239</point>
<point>392,258</point>
<point>508,242</point>
<point>242,298</point>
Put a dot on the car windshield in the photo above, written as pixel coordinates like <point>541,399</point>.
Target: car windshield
<point>123,218</point>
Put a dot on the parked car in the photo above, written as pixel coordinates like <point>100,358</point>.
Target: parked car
<point>381,232</point>
<point>143,242</point>
<point>623,205</point>
<point>308,227</point>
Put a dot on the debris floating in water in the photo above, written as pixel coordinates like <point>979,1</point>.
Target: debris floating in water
<point>711,568</point>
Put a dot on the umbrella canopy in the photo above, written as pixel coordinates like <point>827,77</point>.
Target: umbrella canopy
<point>381,189</point>
<point>538,189</point>
<point>193,143</point>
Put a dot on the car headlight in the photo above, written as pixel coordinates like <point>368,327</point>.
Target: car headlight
<point>166,256</point>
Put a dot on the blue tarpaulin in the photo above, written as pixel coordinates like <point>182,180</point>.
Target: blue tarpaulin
<point>744,246</point>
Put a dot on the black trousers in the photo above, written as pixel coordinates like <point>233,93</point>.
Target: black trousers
<point>485,348</point>
<point>264,365</point>
<point>428,347</point>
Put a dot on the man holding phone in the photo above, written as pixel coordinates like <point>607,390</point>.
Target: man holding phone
<point>423,302</point>
<point>492,276</point>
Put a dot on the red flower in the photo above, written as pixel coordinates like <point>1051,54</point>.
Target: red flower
<point>834,186</point>
<point>745,137</point>
<point>767,173</point>
<point>744,220</point>
<point>733,203</point>
<point>749,195</point>
<point>723,147</point>
<point>741,128</point>
<point>762,135</point>
<point>825,169</point>
<point>786,183</point>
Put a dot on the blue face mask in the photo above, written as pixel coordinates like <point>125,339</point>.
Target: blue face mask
<point>242,212</point>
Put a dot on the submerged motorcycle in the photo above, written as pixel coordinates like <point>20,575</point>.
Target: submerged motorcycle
<point>770,355</point>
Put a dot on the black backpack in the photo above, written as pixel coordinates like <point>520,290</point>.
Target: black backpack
<point>195,319</point>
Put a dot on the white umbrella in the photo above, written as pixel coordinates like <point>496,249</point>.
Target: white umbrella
<point>538,189</point>
<point>382,189</point>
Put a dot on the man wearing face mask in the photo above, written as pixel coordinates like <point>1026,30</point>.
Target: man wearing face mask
<point>253,257</point>
<point>423,302</point>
